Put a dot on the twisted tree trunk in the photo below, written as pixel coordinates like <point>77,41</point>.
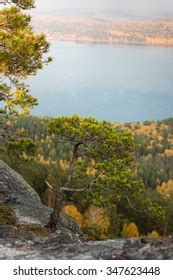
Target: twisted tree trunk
<point>54,217</point>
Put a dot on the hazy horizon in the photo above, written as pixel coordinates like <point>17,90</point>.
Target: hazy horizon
<point>134,7</point>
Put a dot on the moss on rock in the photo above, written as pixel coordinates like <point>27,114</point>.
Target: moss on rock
<point>7,216</point>
<point>33,230</point>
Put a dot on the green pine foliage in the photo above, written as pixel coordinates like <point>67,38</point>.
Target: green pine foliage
<point>104,156</point>
<point>22,54</point>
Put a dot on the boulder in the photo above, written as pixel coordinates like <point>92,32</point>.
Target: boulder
<point>21,197</point>
<point>21,208</point>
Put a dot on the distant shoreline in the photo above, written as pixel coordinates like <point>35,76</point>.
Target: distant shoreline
<point>101,31</point>
<point>109,43</point>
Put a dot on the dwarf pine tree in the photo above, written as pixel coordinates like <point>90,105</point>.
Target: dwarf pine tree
<point>102,161</point>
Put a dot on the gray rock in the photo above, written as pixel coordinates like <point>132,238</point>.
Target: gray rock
<point>19,196</point>
<point>120,249</point>
<point>12,183</point>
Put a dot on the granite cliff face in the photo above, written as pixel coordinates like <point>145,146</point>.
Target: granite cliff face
<point>23,235</point>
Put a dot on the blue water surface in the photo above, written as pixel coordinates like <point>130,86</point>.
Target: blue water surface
<point>112,82</point>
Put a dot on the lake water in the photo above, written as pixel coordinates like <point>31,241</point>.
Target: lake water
<point>116,83</point>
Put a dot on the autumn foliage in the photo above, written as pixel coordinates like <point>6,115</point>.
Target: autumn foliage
<point>73,212</point>
<point>166,188</point>
<point>95,216</point>
<point>130,231</point>
<point>94,221</point>
<point>153,234</point>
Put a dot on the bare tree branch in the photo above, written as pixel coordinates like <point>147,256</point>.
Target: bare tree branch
<point>132,206</point>
<point>49,185</point>
<point>74,190</point>
<point>5,2</point>
<point>88,186</point>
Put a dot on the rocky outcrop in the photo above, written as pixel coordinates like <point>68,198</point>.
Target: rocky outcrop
<point>23,235</point>
<point>24,210</point>
<point>21,198</point>
<point>120,249</point>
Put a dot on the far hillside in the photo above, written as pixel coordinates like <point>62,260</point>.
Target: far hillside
<point>97,30</point>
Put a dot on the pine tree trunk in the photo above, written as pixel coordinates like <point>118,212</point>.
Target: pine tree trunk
<point>54,217</point>
<point>165,229</point>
